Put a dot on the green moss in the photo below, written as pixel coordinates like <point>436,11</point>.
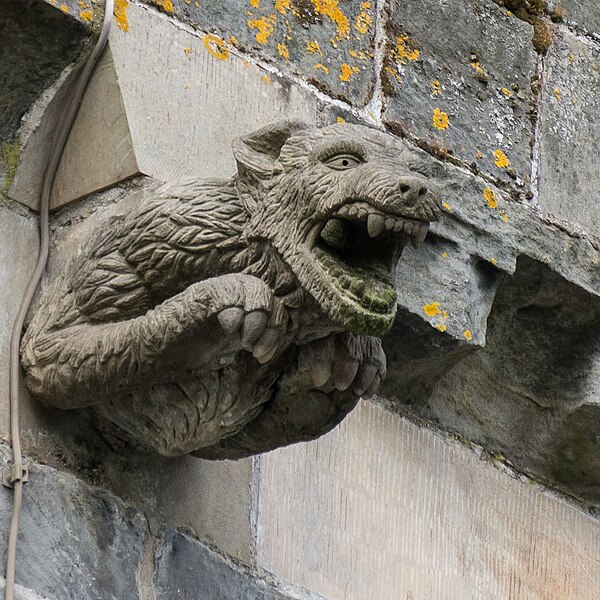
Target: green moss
<point>9,160</point>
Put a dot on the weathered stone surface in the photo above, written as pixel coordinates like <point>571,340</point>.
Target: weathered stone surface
<point>381,508</point>
<point>457,75</point>
<point>27,68</point>
<point>570,133</point>
<point>21,593</point>
<point>532,392</point>
<point>76,542</point>
<point>330,44</point>
<point>170,112</point>
<point>18,250</point>
<point>583,13</point>
<point>186,569</point>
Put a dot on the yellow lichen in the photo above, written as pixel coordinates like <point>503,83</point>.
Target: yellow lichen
<point>446,206</point>
<point>313,47</point>
<point>332,10</point>
<point>440,119</point>
<point>506,92</point>
<point>445,254</point>
<point>364,20</point>
<point>188,51</point>
<point>215,46</point>
<point>479,155</point>
<point>166,5</point>
<point>266,79</point>
<point>436,88</point>
<point>87,14</point>
<point>346,71</point>
<point>64,8</point>
<point>468,335</point>
<point>480,72</point>
<point>432,310</point>
<point>441,327</point>
<point>264,29</point>
<point>255,3</point>
<point>557,94</point>
<point>322,67</point>
<point>500,159</point>
<point>494,261</point>
<point>283,51</point>
<point>340,120</point>
<point>490,197</point>
<point>404,50</point>
<point>120,13</point>
<point>504,215</point>
<point>282,5</point>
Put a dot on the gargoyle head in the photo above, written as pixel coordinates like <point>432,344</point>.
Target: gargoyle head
<point>338,204</point>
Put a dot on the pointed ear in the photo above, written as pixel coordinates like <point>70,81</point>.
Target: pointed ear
<point>257,153</point>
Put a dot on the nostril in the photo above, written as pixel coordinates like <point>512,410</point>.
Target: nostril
<point>404,188</point>
<point>422,191</point>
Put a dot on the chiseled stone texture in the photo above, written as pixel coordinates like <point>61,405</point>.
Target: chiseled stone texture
<point>187,570</point>
<point>570,132</point>
<point>458,76</point>
<point>169,112</point>
<point>18,253</point>
<point>381,508</point>
<point>583,13</point>
<point>330,44</point>
<point>76,542</point>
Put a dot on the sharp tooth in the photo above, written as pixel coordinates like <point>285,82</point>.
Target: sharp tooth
<point>353,211</point>
<point>343,210</point>
<point>408,228</point>
<point>418,236</point>
<point>398,226</point>
<point>362,213</point>
<point>390,223</point>
<point>375,224</point>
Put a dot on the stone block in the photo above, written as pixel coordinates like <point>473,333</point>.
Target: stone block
<point>76,541</point>
<point>570,133</point>
<point>18,254</point>
<point>582,13</point>
<point>187,569</point>
<point>457,75</point>
<point>169,112</point>
<point>380,508</point>
<point>329,44</point>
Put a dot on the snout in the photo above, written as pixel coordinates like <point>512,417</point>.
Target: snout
<point>413,196</point>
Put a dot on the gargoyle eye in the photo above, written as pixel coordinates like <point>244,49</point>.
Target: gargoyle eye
<point>342,162</point>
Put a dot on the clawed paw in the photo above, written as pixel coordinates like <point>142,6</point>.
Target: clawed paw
<point>259,331</point>
<point>345,361</point>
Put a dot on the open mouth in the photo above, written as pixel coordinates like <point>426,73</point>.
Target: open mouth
<point>358,247</point>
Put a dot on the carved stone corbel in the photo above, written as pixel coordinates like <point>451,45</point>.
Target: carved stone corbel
<point>226,318</point>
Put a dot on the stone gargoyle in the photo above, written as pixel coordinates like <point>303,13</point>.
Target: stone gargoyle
<point>225,318</point>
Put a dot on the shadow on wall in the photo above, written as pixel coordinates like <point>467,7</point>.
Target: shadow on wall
<point>532,393</point>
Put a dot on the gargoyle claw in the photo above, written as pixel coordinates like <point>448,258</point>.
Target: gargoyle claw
<point>253,327</point>
<point>230,319</point>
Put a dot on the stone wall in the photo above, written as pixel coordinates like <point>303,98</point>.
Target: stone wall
<point>475,473</point>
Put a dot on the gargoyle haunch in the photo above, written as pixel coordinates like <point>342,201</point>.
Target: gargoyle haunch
<point>227,318</point>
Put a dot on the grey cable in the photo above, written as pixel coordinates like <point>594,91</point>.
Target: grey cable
<point>62,133</point>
